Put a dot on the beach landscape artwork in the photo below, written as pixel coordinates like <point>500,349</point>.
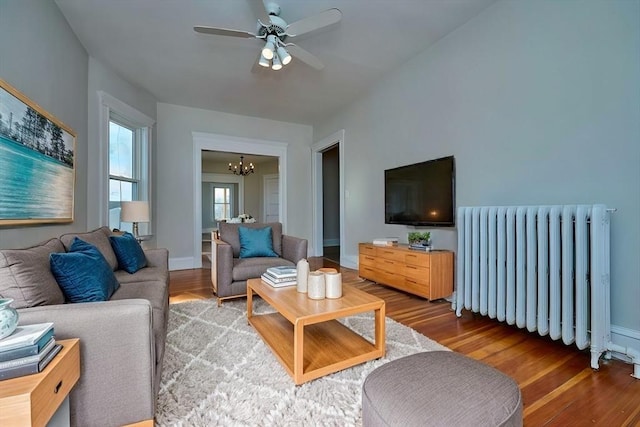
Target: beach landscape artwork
<point>37,162</point>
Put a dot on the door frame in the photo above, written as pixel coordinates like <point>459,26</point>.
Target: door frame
<point>232,144</point>
<point>336,138</point>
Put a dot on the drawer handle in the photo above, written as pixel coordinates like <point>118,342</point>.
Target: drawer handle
<point>57,388</point>
<point>411,267</point>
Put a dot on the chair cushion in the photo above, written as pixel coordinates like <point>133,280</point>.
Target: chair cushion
<point>128,252</point>
<point>256,242</point>
<point>229,234</point>
<point>26,278</point>
<point>98,238</point>
<point>252,268</point>
<point>83,273</point>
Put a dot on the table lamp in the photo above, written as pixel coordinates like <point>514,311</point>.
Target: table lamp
<point>135,212</point>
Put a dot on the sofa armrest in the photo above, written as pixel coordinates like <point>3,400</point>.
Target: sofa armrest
<point>117,358</point>
<point>157,257</point>
<point>293,248</point>
<point>221,267</point>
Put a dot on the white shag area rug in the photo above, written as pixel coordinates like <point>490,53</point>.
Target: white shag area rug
<point>218,372</point>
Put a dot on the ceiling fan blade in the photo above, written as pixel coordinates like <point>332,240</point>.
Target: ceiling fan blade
<point>304,56</point>
<point>315,22</point>
<point>223,32</point>
<point>260,11</point>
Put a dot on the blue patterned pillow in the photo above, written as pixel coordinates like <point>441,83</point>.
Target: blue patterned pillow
<point>256,242</point>
<point>129,253</point>
<point>83,273</point>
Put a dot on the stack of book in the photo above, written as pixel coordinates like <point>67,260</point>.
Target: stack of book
<point>28,350</point>
<point>279,277</point>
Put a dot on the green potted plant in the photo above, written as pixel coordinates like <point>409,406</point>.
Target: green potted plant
<point>420,238</point>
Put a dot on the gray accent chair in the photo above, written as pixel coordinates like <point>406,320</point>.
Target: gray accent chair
<point>229,272</point>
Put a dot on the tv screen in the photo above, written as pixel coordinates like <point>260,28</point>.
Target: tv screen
<point>421,194</point>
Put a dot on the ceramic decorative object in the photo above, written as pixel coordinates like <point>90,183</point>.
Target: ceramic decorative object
<point>327,270</point>
<point>333,285</point>
<point>302,270</point>
<point>315,285</point>
<point>8,318</point>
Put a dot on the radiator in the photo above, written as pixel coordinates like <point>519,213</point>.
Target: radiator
<point>543,268</point>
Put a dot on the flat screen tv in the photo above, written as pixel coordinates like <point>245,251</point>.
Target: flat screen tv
<point>421,194</point>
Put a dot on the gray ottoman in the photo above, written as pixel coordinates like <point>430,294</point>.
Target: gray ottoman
<point>440,388</point>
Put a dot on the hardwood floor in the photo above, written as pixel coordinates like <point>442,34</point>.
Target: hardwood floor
<point>558,386</point>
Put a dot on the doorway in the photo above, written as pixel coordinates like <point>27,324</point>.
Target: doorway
<point>329,152</point>
<point>231,144</point>
<point>331,203</point>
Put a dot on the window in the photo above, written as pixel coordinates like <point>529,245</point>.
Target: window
<point>127,144</point>
<point>222,202</point>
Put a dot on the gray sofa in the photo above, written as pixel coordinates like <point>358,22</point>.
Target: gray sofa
<point>121,340</point>
<point>229,272</point>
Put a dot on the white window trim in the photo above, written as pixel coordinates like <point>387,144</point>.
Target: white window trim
<point>109,104</point>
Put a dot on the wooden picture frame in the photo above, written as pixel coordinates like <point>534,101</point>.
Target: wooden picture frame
<point>37,163</point>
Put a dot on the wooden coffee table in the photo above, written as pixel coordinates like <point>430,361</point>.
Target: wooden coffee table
<point>305,335</point>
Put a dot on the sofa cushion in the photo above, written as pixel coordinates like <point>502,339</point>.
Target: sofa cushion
<point>157,293</point>
<point>25,275</point>
<point>98,238</point>
<point>83,273</point>
<point>143,275</point>
<point>229,233</point>
<point>250,268</point>
<point>256,242</point>
<point>128,252</point>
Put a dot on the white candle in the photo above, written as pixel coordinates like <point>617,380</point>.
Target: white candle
<point>302,270</point>
<point>333,285</point>
<point>315,285</point>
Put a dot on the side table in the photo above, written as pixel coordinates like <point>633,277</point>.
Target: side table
<point>32,400</point>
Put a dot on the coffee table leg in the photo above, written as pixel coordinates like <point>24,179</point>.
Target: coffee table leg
<point>380,333</point>
<point>298,352</point>
<point>249,303</point>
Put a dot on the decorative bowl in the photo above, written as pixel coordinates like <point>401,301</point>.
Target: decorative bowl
<point>8,318</point>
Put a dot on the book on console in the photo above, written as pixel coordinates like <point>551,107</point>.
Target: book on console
<point>25,335</point>
<point>29,359</point>
<point>282,271</point>
<point>385,241</point>
<point>27,350</point>
<point>30,368</point>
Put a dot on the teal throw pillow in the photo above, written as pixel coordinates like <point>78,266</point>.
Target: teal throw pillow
<point>83,273</point>
<point>128,252</point>
<point>256,242</point>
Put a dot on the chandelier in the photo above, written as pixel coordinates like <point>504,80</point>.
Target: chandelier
<point>241,168</point>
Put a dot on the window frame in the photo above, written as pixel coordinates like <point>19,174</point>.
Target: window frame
<point>112,109</point>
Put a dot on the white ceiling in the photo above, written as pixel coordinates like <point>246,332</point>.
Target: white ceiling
<point>151,43</point>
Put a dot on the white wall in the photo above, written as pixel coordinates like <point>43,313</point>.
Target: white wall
<point>539,101</point>
<point>174,183</point>
<point>42,58</point>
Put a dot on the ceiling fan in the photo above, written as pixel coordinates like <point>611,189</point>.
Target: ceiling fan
<point>271,28</point>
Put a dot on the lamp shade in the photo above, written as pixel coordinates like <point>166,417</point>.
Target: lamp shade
<point>136,211</point>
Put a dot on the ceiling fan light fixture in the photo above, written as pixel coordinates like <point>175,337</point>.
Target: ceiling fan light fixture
<point>284,55</point>
<point>276,63</point>
<point>269,47</point>
<point>263,61</point>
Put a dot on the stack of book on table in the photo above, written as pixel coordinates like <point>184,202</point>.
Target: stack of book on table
<point>28,350</point>
<point>280,276</point>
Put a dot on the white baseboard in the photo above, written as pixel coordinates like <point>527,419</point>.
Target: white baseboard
<point>624,337</point>
<point>185,263</point>
<point>331,242</point>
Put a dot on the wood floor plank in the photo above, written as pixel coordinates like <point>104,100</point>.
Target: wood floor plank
<point>558,386</point>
